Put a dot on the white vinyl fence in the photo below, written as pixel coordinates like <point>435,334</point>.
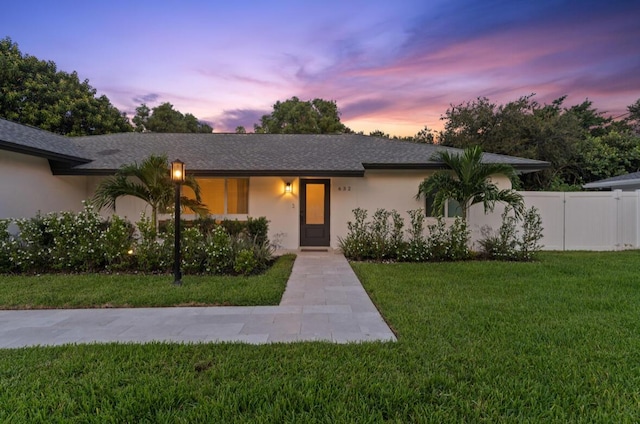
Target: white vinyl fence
<point>579,220</point>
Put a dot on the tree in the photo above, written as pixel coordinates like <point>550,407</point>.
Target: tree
<point>165,119</point>
<point>240,130</point>
<point>379,133</point>
<point>151,182</point>
<point>425,135</point>
<point>609,155</point>
<point>293,116</point>
<point>33,92</point>
<point>468,182</point>
<point>633,120</point>
<point>527,129</point>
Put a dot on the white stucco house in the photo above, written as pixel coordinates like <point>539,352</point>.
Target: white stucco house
<point>306,185</point>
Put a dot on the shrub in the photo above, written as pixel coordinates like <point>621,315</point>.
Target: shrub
<point>245,262</point>
<point>507,244</point>
<point>379,235</point>
<point>417,246</point>
<point>233,226</point>
<point>152,254</point>
<point>503,243</point>
<point>8,248</point>
<point>258,229</point>
<point>218,252</point>
<point>118,244</point>
<point>192,252</point>
<point>397,245</point>
<point>531,234</point>
<point>459,235</point>
<point>83,241</point>
<point>383,238</point>
<point>204,224</point>
<point>356,243</point>
<point>34,244</point>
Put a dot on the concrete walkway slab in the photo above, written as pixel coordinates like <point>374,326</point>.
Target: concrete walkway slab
<point>323,301</point>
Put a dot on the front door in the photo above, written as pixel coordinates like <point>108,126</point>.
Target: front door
<point>314,212</point>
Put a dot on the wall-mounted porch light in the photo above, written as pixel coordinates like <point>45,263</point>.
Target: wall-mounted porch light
<point>287,187</point>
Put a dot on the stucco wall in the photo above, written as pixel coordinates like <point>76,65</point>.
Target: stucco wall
<point>378,189</point>
<point>267,197</point>
<point>28,187</point>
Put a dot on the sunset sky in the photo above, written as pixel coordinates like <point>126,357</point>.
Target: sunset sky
<point>393,65</point>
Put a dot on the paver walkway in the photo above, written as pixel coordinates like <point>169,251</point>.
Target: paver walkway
<point>324,300</point>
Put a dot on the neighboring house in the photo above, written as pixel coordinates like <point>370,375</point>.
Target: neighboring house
<point>306,185</point>
<point>626,182</point>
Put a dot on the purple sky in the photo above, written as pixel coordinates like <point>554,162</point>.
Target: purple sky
<point>393,65</point>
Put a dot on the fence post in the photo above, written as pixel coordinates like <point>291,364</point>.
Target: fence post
<point>637,215</point>
<point>617,196</point>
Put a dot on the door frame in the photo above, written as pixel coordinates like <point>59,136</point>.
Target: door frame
<point>326,240</point>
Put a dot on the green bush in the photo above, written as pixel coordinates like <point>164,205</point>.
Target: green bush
<point>532,228</point>
<point>8,248</point>
<point>233,227</point>
<point>258,229</point>
<point>152,253</point>
<point>356,244</point>
<point>508,243</point>
<point>383,238</point>
<point>245,262</point>
<point>193,255</point>
<point>218,252</point>
<point>118,244</point>
<point>417,246</point>
<point>84,242</point>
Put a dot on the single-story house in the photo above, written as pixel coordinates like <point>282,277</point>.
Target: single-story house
<point>626,182</point>
<point>305,185</point>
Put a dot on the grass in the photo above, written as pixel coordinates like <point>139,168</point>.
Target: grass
<point>552,341</point>
<point>128,290</point>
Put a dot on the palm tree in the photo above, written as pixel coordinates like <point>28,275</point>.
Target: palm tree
<point>151,182</point>
<point>469,183</point>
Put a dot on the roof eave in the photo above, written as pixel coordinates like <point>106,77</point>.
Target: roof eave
<point>46,154</point>
<point>622,183</point>
<point>523,168</point>
<point>223,173</point>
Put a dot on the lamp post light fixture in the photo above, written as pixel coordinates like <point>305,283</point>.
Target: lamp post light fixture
<point>177,176</point>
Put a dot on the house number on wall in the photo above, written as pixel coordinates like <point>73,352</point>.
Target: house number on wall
<point>344,188</point>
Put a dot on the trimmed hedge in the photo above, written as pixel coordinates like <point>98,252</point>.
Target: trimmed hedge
<point>85,242</point>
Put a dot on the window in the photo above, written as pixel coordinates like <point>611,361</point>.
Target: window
<point>451,208</point>
<point>225,196</point>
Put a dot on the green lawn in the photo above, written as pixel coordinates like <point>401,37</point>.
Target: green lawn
<point>127,290</point>
<point>552,341</point>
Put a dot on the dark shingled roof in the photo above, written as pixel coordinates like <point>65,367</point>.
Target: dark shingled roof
<point>255,154</point>
<point>36,142</point>
<point>631,180</point>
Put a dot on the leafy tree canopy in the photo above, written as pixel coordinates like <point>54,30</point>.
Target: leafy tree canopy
<point>293,116</point>
<point>579,141</point>
<point>33,92</point>
<point>165,119</point>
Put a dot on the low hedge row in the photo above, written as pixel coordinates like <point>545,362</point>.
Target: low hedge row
<point>85,242</point>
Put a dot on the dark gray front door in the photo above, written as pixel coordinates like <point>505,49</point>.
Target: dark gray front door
<point>314,212</point>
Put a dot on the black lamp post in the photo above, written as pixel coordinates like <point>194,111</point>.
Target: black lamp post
<point>177,176</point>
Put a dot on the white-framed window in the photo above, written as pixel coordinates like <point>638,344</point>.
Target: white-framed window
<point>225,196</point>
<point>451,208</point>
